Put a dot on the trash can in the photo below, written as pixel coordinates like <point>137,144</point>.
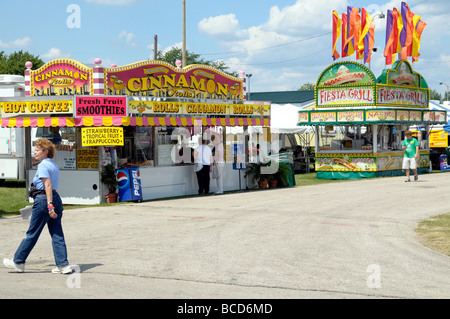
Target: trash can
<point>129,184</point>
<point>443,163</point>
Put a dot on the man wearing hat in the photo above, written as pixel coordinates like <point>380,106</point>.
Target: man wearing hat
<point>411,147</point>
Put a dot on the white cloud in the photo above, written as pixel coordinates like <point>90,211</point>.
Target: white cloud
<point>292,46</point>
<point>223,27</point>
<point>18,43</point>
<point>303,16</point>
<point>272,51</point>
<point>128,37</point>
<point>54,53</point>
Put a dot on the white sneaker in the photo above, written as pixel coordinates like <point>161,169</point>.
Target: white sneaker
<point>67,269</point>
<point>11,264</point>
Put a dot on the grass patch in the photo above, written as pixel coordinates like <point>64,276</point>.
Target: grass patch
<point>311,179</point>
<point>13,194</point>
<point>12,197</point>
<point>434,233</point>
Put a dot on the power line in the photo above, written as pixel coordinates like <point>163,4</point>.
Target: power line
<point>284,61</point>
<point>266,48</point>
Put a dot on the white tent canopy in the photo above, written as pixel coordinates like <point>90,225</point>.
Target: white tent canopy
<point>284,119</point>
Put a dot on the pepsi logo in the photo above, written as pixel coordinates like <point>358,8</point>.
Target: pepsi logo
<point>122,179</point>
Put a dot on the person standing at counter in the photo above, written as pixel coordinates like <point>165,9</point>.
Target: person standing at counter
<point>203,154</point>
<point>411,147</point>
<point>219,162</point>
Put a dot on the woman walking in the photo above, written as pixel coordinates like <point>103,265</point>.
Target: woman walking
<point>47,210</point>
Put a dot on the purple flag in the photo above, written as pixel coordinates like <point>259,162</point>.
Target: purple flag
<point>405,24</point>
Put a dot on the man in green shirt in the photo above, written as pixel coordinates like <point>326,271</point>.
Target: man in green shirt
<point>411,147</point>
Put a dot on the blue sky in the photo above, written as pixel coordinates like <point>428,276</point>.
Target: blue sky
<point>282,43</point>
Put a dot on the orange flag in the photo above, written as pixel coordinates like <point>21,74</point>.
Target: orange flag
<point>408,21</point>
<point>336,32</point>
<point>419,25</point>
<point>344,46</point>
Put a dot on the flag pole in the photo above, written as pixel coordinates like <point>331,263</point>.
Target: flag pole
<point>183,60</point>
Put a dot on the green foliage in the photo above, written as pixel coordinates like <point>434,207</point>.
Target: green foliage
<point>254,170</point>
<point>109,177</point>
<point>282,174</point>
<point>13,197</point>
<point>307,87</point>
<point>15,62</point>
<point>435,95</point>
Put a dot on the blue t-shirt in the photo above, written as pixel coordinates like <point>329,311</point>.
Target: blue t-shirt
<point>46,169</point>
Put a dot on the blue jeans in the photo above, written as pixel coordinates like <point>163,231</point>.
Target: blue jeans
<point>40,218</point>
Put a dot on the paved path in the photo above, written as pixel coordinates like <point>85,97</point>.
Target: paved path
<point>345,240</point>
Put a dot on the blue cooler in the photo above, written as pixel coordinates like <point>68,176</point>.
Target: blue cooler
<point>129,184</point>
<point>443,163</point>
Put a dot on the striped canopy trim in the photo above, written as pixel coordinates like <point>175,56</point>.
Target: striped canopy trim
<point>130,121</point>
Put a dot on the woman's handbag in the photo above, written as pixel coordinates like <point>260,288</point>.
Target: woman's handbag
<point>215,171</point>
<point>198,167</point>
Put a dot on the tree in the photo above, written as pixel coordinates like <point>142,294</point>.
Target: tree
<point>15,62</point>
<point>192,58</point>
<point>435,95</point>
<point>307,87</point>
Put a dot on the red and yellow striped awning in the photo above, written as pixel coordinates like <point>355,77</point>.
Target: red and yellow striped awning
<point>129,121</point>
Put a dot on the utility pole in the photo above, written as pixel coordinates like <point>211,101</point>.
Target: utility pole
<point>155,47</point>
<point>446,92</point>
<point>184,35</point>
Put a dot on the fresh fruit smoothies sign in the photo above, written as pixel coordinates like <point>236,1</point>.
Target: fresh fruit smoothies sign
<point>101,106</point>
<point>160,79</point>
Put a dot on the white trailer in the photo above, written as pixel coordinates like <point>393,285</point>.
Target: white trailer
<point>12,140</point>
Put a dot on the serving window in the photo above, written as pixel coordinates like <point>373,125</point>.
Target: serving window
<point>64,139</point>
<point>345,138</point>
<point>138,148</point>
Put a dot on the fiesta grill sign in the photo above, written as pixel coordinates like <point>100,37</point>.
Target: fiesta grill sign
<point>401,96</point>
<point>350,84</point>
<point>344,95</point>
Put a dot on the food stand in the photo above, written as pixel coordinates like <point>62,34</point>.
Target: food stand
<point>141,115</point>
<point>360,120</point>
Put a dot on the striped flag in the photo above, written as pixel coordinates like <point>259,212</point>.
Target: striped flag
<point>388,50</point>
<point>336,32</point>
<point>419,26</point>
<point>363,45</point>
<point>407,31</point>
<point>344,37</point>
